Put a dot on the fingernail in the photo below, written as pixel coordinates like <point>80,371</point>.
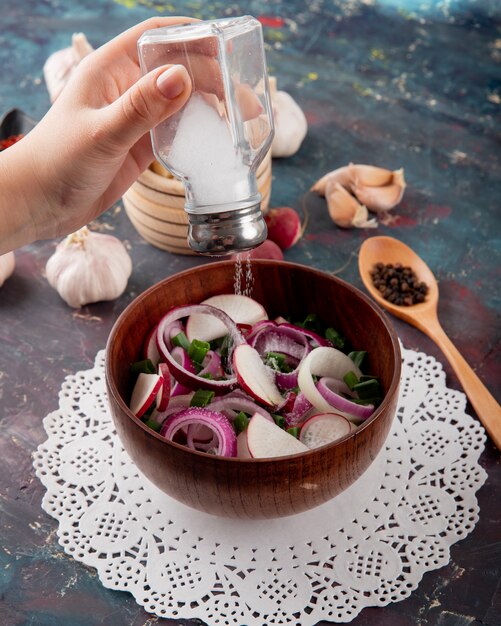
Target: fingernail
<point>171,83</point>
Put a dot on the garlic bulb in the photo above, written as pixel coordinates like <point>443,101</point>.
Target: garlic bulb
<point>89,267</point>
<point>7,264</point>
<point>60,65</point>
<point>290,123</point>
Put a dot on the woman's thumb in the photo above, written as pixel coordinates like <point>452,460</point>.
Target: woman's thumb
<point>153,98</point>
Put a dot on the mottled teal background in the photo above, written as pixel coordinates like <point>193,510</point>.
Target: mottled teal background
<point>397,84</point>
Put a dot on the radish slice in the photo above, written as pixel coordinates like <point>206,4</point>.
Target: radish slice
<point>163,394</point>
<point>321,362</point>
<point>266,439</point>
<point>144,392</point>
<point>255,377</point>
<point>182,375</point>
<point>328,389</point>
<point>241,309</point>
<point>150,347</point>
<point>323,428</point>
<point>218,423</point>
<point>242,447</point>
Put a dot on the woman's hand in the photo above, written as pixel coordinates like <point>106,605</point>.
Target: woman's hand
<point>91,145</point>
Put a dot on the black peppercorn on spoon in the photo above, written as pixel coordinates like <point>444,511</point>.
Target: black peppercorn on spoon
<point>424,316</point>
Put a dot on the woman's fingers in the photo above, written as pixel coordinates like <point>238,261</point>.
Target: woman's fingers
<point>153,98</point>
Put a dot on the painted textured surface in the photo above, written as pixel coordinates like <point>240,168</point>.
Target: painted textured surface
<point>397,84</point>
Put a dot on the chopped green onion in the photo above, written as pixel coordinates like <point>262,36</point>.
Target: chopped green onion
<point>240,422</point>
<point>366,377</point>
<point>197,350</point>
<point>335,338</point>
<point>276,360</point>
<point>149,410</point>
<point>367,389</point>
<point>357,357</point>
<point>143,367</point>
<point>351,380</point>
<point>153,425</point>
<point>365,401</point>
<point>208,376</point>
<point>226,345</point>
<point>311,321</point>
<point>215,344</point>
<point>181,340</point>
<point>294,431</point>
<point>202,397</point>
<point>279,420</point>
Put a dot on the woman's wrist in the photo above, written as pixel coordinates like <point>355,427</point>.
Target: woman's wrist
<point>22,201</point>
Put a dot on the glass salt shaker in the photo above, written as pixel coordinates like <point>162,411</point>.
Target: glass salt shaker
<point>216,142</point>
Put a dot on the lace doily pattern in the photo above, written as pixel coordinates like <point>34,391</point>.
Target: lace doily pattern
<point>368,547</point>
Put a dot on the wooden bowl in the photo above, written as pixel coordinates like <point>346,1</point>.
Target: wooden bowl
<point>255,488</point>
<point>155,206</point>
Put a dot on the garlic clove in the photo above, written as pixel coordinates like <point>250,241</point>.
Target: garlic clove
<point>60,65</point>
<point>89,267</point>
<point>385,197</point>
<point>370,176</point>
<point>7,265</point>
<point>344,208</point>
<point>291,125</point>
<point>343,176</point>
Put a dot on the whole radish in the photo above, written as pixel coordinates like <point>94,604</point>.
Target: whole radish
<point>284,226</point>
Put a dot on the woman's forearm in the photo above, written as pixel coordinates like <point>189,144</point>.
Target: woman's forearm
<point>19,196</point>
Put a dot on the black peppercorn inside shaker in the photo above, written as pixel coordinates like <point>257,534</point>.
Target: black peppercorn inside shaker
<point>398,284</point>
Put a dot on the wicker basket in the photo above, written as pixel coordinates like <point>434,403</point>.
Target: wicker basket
<point>155,206</point>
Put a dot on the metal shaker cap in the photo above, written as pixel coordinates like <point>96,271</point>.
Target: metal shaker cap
<point>226,232</point>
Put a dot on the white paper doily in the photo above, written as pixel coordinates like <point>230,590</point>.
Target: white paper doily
<point>368,547</point>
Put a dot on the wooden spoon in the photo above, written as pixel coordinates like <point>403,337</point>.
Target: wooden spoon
<point>424,316</point>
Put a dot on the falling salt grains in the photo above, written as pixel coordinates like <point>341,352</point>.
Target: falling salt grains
<point>249,278</point>
<point>237,281</point>
<point>243,282</point>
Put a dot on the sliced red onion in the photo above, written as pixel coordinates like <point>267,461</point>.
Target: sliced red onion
<point>169,329</point>
<point>212,365</point>
<point>330,390</point>
<point>201,437</point>
<point>288,402</point>
<point>272,340</point>
<point>297,414</point>
<point>287,380</point>
<point>231,404</point>
<point>320,362</point>
<point>258,327</point>
<point>217,422</point>
<point>317,339</point>
<point>185,377</point>
<point>285,339</point>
